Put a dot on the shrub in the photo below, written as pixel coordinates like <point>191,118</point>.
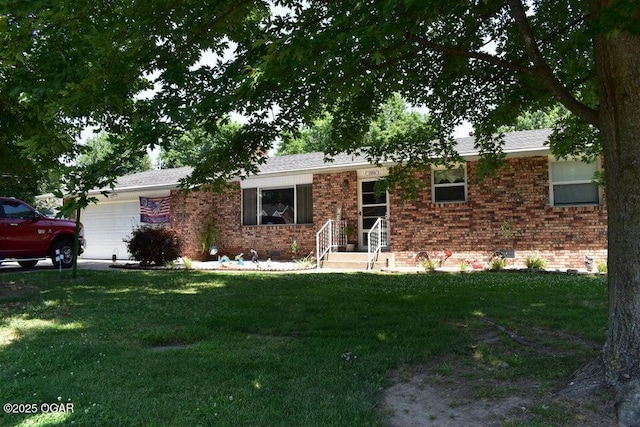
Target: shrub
<point>151,245</point>
<point>307,262</point>
<point>295,248</point>
<point>429,265</point>
<point>602,266</point>
<point>188,263</point>
<point>497,263</point>
<point>208,236</point>
<point>534,262</point>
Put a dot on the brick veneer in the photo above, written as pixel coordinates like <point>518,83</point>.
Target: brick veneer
<point>332,193</point>
<point>510,211</point>
<point>271,241</point>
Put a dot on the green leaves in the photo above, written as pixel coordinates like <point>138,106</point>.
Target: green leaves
<point>66,65</point>
<point>190,148</point>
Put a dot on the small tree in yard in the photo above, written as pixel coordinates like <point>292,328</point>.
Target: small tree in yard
<point>151,245</point>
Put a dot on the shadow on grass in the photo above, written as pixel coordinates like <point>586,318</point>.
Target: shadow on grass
<point>255,348</point>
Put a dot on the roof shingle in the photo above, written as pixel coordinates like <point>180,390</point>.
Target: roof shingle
<point>515,142</point>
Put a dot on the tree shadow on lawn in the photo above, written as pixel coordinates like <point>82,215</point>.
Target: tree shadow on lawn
<point>272,317</point>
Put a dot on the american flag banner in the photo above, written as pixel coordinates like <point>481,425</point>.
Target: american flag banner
<point>154,210</point>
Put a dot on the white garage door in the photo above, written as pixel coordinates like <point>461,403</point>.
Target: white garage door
<point>109,221</point>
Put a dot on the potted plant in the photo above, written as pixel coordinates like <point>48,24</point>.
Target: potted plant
<point>350,231</point>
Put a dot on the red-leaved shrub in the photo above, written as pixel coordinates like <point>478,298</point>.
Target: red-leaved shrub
<point>152,245</point>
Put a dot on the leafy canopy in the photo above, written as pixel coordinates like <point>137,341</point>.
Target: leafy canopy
<point>196,144</point>
<point>395,125</point>
<point>68,64</point>
<point>65,65</point>
<point>100,148</point>
<point>536,119</point>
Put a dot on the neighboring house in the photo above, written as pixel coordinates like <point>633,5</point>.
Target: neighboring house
<point>536,206</point>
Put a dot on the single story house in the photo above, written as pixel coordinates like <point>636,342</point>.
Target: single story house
<point>536,206</point>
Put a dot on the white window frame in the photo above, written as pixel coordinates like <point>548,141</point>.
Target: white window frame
<point>552,183</point>
<point>259,191</point>
<point>464,184</point>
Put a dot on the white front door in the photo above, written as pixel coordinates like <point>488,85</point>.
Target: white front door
<point>372,206</point>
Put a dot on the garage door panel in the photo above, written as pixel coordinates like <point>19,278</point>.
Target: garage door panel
<point>106,224</point>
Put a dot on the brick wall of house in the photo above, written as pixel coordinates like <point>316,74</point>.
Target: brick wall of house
<point>333,193</point>
<point>272,241</point>
<point>188,214</point>
<point>330,192</point>
<point>508,212</point>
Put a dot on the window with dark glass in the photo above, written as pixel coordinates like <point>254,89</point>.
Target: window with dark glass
<point>277,206</point>
<point>449,185</point>
<point>271,206</point>
<point>304,204</point>
<point>249,206</point>
<point>15,209</point>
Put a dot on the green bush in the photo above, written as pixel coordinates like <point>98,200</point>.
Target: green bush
<point>429,265</point>
<point>208,236</point>
<point>152,245</point>
<point>497,263</point>
<point>534,262</point>
<point>602,266</point>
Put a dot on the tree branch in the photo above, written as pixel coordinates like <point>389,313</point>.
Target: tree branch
<point>540,69</point>
<point>548,78</point>
<point>485,57</point>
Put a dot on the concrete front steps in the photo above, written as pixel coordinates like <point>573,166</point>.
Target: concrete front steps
<point>356,261</point>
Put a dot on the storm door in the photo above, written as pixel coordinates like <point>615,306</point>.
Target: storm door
<point>372,206</point>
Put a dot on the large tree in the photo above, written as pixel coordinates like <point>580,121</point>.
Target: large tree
<point>100,147</point>
<point>66,63</point>
<point>536,119</point>
<point>310,138</point>
<point>195,144</point>
<point>396,123</point>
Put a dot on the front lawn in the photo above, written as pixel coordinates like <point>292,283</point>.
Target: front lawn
<point>188,348</point>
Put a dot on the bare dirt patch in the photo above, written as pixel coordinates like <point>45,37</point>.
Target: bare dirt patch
<point>427,399</point>
<point>459,390</point>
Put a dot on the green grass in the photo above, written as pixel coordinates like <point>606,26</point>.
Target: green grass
<point>267,349</point>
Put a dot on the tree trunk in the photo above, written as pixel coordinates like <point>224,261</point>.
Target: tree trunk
<point>618,64</point>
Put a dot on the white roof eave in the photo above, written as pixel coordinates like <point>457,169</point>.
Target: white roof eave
<point>133,188</point>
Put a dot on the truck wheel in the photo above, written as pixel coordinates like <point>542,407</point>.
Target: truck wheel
<point>66,252</point>
<point>28,264</point>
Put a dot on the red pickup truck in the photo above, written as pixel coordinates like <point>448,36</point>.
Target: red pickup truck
<point>27,236</point>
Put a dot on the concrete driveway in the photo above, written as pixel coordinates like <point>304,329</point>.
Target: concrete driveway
<point>45,264</point>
